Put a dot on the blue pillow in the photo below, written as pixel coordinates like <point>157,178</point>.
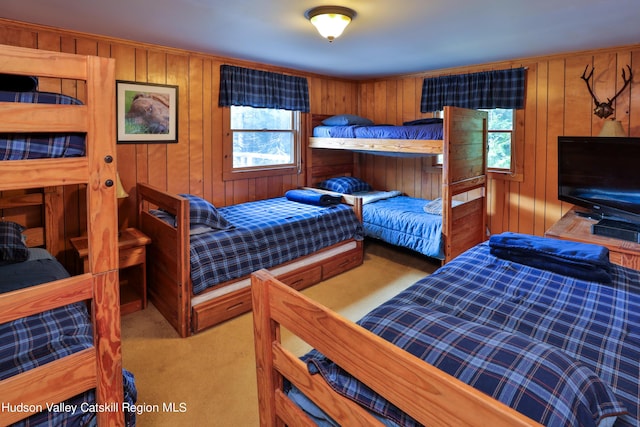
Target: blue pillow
<point>204,213</point>
<point>194,229</point>
<point>427,121</point>
<point>344,185</point>
<point>17,83</point>
<point>347,120</point>
<point>12,247</point>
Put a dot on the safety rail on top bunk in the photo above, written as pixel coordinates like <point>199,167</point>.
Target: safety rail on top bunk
<point>19,117</point>
<point>409,146</point>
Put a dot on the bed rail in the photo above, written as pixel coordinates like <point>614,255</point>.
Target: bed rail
<point>429,395</point>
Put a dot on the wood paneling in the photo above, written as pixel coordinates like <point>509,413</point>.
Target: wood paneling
<point>194,164</point>
<point>557,103</point>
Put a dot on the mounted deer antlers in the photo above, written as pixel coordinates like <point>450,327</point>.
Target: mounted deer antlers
<point>604,109</point>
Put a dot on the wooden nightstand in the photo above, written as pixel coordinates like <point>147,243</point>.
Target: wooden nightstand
<point>132,265</point>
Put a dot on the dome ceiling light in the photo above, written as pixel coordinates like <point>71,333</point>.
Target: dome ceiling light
<point>330,21</point>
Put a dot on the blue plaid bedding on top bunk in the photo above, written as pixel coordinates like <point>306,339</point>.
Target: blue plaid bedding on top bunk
<point>20,146</point>
<point>596,325</point>
<point>267,233</point>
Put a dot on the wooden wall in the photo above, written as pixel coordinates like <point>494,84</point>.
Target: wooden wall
<point>194,164</point>
<point>557,103</point>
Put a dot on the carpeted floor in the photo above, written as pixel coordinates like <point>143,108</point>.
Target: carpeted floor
<point>209,379</point>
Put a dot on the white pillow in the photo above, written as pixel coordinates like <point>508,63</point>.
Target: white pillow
<point>435,206</point>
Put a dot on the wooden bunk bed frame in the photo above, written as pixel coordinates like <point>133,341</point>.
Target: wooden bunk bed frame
<point>47,201</point>
<point>169,270</point>
<point>427,394</point>
<point>464,150</point>
<point>101,366</point>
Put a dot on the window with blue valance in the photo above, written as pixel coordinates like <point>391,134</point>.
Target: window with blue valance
<point>489,89</point>
<point>262,89</point>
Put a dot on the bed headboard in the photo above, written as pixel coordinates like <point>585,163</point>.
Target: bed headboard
<point>33,211</point>
<point>316,119</point>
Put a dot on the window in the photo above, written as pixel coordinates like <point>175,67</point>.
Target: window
<point>500,139</point>
<point>262,138</point>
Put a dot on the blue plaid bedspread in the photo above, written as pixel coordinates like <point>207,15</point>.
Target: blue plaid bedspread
<point>402,221</point>
<point>595,325</point>
<point>20,146</point>
<point>41,338</point>
<point>267,233</point>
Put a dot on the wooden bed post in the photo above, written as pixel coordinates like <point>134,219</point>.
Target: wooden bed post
<point>265,332</point>
<point>103,232</point>
<point>464,171</point>
<point>53,212</point>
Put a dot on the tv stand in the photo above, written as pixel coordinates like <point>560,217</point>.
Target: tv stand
<point>577,227</point>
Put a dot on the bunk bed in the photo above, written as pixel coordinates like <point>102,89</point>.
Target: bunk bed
<point>462,144</point>
<point>199,279</point>
<point>518,330</point>
<point>94,365</point>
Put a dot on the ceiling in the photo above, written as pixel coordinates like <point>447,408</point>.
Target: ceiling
<point>387,37</point>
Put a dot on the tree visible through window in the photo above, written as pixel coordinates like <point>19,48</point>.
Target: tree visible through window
<point>263,137</point>
<point>500,138</point>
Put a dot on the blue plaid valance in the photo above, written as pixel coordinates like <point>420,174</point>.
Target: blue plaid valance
<point>489,89</point>
<point>262,89</point>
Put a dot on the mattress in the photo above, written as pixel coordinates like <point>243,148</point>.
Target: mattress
<point>402,221</point>
<point>267,233</point>
<point>32,341</point>
<point>20,146</point>
<point>595,325</point>
<point>428,132</point>
<point>40,267</point>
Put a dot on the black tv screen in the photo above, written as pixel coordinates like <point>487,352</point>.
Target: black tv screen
<point>601,174</point>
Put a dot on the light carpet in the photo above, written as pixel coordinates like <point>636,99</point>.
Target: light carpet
<point>209,379</point>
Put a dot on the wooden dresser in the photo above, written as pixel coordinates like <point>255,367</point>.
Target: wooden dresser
<point>578,228</point>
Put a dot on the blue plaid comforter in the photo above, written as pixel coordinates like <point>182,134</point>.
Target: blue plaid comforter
<point>267,233</point>
<point>20,146</point>
<point>586,324</point>
<point>33,341</point>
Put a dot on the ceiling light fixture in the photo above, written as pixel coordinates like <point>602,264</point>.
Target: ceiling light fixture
<point>330,20</point>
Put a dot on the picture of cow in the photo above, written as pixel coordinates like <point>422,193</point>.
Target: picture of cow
<point>148,113</point>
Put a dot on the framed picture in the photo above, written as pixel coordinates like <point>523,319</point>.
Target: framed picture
<point>146,113</point>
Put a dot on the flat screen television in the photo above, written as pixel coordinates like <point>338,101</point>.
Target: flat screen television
<point>601,174</point>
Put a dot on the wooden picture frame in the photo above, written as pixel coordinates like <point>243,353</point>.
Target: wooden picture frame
<point>146,113</point>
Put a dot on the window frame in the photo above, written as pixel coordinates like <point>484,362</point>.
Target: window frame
<point>229,172</point>
<point>515,171</point>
